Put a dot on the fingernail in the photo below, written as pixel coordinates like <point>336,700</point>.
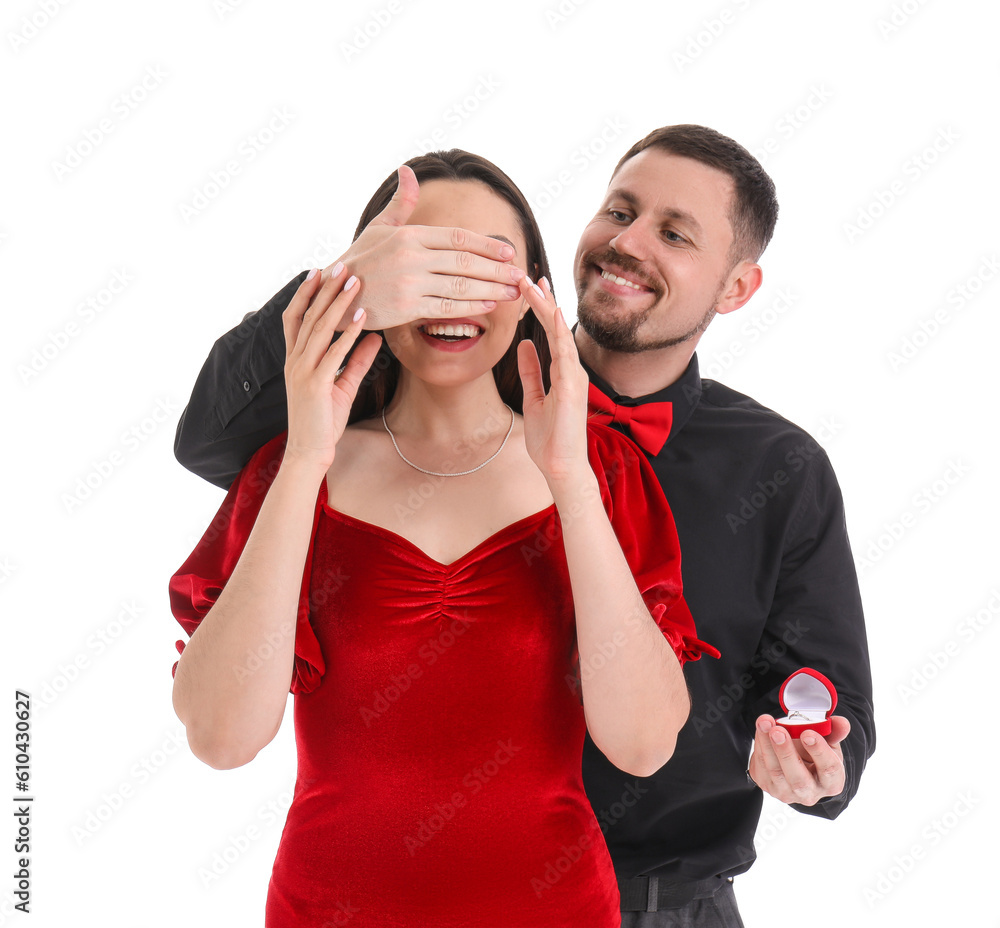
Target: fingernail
<point>311,274</point>
<point>489,304</point>
<point>506,252</point>
<point>538,290</point>
<point>358,314</point>
<point>511,292</point>
<point>809,738</point>
<point>545,281</point>
<point>765,726</point>
<point>778,737</point>
<point>516,274</point>
<point>337,268</point>
<point>351,281</point>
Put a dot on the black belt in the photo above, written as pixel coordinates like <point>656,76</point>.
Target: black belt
<point>651,893</point>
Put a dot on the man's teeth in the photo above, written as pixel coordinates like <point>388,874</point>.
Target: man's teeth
<point>607,275</point>
<point>470,331</point>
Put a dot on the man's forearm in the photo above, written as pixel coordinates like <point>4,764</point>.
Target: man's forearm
<point>634,695</point>
<point>238,402</point>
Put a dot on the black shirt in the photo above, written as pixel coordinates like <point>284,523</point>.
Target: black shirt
<point>768,575</point>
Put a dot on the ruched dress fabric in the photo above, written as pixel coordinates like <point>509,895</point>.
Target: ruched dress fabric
<point>438,720</point>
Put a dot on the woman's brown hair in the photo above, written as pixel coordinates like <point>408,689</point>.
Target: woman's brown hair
<point>379,383</point>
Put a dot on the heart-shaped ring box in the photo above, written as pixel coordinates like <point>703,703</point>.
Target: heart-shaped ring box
<point>808,698</point>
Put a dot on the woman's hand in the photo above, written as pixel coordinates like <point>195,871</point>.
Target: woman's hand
<point>555,426</point>
<point>319,401</point>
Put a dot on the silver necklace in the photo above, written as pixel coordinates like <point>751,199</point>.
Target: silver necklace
<point>459,473</point>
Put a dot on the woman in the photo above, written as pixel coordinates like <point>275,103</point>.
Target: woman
<point>406,558</point>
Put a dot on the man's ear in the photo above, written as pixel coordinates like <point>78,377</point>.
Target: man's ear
<point>744,281</point>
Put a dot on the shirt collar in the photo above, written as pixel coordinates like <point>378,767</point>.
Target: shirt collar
<point>684,393</point>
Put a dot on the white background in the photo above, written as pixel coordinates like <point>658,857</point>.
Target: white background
<point>853,96</point>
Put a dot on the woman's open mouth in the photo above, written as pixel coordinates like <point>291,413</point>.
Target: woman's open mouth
<point>449,336</point>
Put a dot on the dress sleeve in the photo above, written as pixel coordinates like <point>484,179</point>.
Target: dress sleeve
<point>642,521</point>
<point>196,585</point>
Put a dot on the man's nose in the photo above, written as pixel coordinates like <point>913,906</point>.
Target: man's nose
<point>633,240</point>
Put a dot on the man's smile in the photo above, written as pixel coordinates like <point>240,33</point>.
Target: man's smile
<point>617,280</point>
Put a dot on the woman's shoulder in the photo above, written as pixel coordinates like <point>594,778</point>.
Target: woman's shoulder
<point>607,444</point>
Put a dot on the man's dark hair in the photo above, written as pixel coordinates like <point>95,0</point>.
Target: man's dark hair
<point>379,383</point>
<point>754,209</point>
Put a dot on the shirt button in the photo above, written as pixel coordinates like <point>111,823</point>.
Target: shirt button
<point>246,385</point>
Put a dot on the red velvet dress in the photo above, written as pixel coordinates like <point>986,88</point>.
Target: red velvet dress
<point>437,719</point>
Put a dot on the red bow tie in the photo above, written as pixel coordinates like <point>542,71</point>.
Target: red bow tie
<point>648,425</point>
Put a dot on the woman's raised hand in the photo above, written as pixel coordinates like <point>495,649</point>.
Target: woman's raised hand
<point>319,401</point>
<point>555,425</point>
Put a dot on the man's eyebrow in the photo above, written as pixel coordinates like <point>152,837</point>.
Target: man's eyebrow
<point>503,238</point>
<point>679,215</point>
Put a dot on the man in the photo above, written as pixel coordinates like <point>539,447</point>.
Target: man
<point>767,566</point>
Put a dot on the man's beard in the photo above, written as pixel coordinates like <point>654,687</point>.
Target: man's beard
<point>620,332</point>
